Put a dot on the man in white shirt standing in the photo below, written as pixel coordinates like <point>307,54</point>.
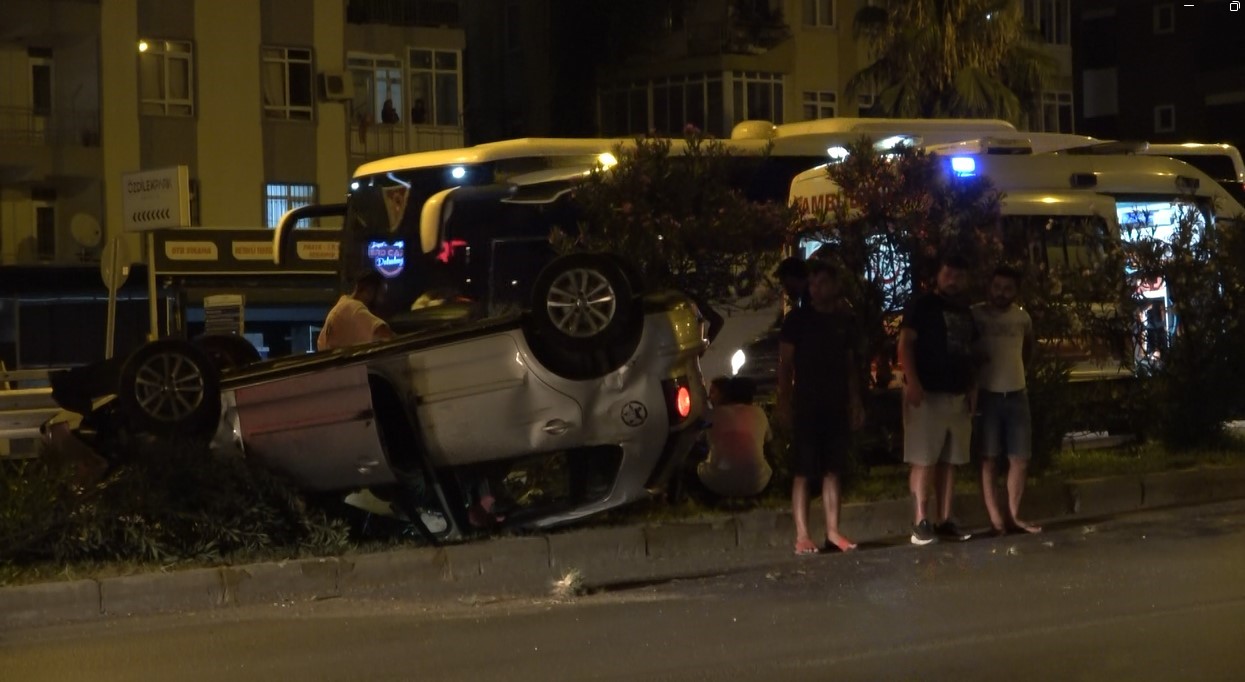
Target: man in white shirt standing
<point>1006,338</point>
<point>351,322</point>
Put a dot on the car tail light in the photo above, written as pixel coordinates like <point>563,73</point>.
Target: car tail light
<point>678,399</point>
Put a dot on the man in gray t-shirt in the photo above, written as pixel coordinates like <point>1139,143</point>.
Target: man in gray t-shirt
<point>1006,344</point>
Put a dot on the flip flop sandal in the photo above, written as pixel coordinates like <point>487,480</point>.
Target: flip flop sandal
<point>805,547</point>
<point>841,546</point>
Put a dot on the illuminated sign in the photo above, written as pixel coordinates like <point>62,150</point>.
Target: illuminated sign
<point>387,257</point>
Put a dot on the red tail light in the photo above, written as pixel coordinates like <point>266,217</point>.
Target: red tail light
<point>683,402</point>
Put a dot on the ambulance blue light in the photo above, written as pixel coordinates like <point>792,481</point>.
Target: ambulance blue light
<point>964,166</point>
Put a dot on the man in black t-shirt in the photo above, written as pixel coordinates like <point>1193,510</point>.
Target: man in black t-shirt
<point>819,400</point>
<point>936,340</point>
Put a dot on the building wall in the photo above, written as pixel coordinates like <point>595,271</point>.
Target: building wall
<point>1128,61</point>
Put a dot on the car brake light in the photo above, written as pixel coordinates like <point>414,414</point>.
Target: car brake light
<point>683,402</point>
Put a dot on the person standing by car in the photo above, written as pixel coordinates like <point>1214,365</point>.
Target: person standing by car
<point>1005,428</point>
<point>819,400</point>
<point>936,340</point>
<point>351,321</point>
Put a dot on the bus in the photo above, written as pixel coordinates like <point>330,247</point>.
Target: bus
<point>500,200</point>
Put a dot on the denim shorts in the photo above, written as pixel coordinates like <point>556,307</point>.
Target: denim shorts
<point>1004,425</point>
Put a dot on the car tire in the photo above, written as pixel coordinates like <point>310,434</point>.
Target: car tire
<point>228,351</point>
<point>582,301</point>
<point>170,388</point>
<point>584,319</point>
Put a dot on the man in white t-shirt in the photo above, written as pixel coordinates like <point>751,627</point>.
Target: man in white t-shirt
<point>1006,342</point>
<point>351,322</point>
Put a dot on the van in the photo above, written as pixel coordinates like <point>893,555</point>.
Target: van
<point>1222,162</point>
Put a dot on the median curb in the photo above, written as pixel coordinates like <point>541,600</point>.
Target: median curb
<point>597,558</point>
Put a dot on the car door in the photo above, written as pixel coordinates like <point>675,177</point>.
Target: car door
<point>318,428</point>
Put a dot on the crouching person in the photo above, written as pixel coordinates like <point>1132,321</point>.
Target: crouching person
<point>736,466</point>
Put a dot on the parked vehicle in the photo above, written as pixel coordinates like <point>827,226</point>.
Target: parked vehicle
<point>1041,193</point>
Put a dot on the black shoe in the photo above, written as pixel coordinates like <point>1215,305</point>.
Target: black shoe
<point>951,531</point>
<point>923,533</point>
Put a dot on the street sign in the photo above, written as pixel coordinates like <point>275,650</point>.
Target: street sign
<point>114,263</point>
<point>223,314</point>
<point>238,251</point>
<point>156,199</point>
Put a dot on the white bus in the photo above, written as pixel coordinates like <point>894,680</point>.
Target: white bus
<point>491,250</point>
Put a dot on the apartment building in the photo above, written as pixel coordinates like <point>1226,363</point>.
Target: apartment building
<point>1159,70</point>
<point>719,62</point>
<point>270,104</point>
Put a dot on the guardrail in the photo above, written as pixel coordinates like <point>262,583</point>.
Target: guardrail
<point>23,410</point>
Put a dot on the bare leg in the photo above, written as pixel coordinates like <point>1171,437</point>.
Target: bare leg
<point>944,488</point>
<point>919,478</point>
<point>830,502</point>
<point>1016,490</point>
<point>989,494</point>
<point>799,512</point>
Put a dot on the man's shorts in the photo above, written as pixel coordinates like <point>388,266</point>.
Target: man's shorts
<point>820,447</point>
<point>938,431</point>
<point>1004,426</point>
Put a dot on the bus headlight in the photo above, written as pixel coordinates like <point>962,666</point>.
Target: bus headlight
<point>737,361</point>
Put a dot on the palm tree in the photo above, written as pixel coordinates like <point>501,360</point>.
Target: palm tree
<point>950,58</point>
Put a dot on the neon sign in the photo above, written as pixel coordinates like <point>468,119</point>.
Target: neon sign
<point>387,257</point>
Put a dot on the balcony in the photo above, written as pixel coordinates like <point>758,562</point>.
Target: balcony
<point>36,146</point>
<point>369,142</point>
<point>28,126</point>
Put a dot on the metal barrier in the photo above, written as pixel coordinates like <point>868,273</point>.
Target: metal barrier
<point>23,411</point>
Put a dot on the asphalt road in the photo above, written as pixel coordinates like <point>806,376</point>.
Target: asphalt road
<point>1154,596</point>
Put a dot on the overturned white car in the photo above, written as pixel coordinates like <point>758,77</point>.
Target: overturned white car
<point>586,400</point>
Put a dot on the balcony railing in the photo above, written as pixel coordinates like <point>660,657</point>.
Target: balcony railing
<point>25,125</point>
<point>377,141</point>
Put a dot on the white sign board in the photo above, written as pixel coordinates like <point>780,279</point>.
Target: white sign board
<point>156,199</point>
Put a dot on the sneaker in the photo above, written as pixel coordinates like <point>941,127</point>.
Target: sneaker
<point>951,531</point>
<point>923,533</point>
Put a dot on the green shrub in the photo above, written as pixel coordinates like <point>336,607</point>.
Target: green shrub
<point>167,502</point>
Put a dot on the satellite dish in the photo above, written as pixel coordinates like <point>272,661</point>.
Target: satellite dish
<point>85,230</point>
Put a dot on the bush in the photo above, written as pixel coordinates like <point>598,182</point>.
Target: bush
<point>168,502</point>
<point>682,218</point>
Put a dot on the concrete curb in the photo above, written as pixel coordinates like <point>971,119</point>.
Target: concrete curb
<point>602,556</point>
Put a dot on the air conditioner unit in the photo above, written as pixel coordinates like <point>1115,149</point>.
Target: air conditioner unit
<point>336,86</point>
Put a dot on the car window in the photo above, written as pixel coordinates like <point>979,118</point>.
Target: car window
<point>1217,166</point>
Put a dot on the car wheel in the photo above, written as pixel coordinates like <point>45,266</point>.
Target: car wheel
<point>583,300</point>
<point>228,351</point>
<point>170,387</point>
<point>585,320</point>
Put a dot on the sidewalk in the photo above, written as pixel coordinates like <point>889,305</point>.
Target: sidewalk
<point>603,557</point>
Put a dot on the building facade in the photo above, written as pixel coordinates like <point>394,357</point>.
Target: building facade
<point>714,63</point>
<point>270,104</point>
<point>1160,71</point>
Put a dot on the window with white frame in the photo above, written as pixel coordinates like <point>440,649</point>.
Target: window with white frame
<point>819,12</point>
<point>376,79</point>
<point>757,96</point>
<point>1055,114</point>
<point>1165,118</point>
<point>166,77</point>
<point>1051,18</point>
<point>287,83</point>
<point>819,105</point>
<point>676,102</point>
<point>1164,19</point>
<point>436,87</point>
<point>281,197</point>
